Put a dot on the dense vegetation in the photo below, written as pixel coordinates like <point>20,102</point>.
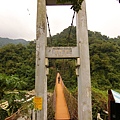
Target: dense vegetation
<point>76,4</point>
<point>17,74</point>
<point>17,67</point>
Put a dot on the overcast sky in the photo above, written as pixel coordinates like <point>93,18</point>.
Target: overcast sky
<point>18,18</point>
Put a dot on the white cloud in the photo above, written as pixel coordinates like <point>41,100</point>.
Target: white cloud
<point>60,17</point>
<point>18,18</point>
<point>104,16</point>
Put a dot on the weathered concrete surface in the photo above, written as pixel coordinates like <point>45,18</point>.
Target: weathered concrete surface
<point>84,81</point>
<point>62,52</point>
<point>41,41</point>
<point>54,2</point>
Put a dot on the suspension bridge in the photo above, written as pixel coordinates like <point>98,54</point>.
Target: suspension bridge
<point>61,105</point>
<point>65,106</point>
<point>80,52</point>
<point>61,110</point>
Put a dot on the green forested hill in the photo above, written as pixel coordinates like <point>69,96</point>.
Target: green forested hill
<point>104,57</point>
<point>4,41</point>
<point>17,66</point>
<point>105,61</point>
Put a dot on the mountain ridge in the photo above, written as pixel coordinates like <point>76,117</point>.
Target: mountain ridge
<point>5,41</point>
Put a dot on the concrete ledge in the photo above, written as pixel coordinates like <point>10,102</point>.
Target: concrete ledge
<point>54,2</point>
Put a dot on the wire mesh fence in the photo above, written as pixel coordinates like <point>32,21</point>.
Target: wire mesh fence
<point>71,103</point>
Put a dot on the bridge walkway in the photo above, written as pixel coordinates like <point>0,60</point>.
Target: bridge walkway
<point>61,112</point>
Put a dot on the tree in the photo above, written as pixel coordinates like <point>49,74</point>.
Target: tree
<point>76,4</point>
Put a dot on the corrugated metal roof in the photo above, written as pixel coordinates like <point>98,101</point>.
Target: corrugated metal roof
<point>116,96</point>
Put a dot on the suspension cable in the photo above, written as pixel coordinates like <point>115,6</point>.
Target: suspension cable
<point>71,26</point>
<point>69,31</point>
<point>49,29</point>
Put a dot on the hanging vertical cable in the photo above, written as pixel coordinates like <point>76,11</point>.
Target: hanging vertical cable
<point>71,26</point>
<point>49,29</point>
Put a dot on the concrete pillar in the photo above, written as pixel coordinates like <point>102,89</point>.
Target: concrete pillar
<point>41,42</point>
<point>84,82</point>
<point>33,114</point>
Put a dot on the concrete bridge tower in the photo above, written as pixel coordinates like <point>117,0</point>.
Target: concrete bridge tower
<point>80,52</point>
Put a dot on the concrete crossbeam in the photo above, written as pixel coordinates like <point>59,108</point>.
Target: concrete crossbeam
<point>54,2</point>
<point>62,52</point>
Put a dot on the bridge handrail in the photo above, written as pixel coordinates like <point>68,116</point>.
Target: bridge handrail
<point>71,103</point>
